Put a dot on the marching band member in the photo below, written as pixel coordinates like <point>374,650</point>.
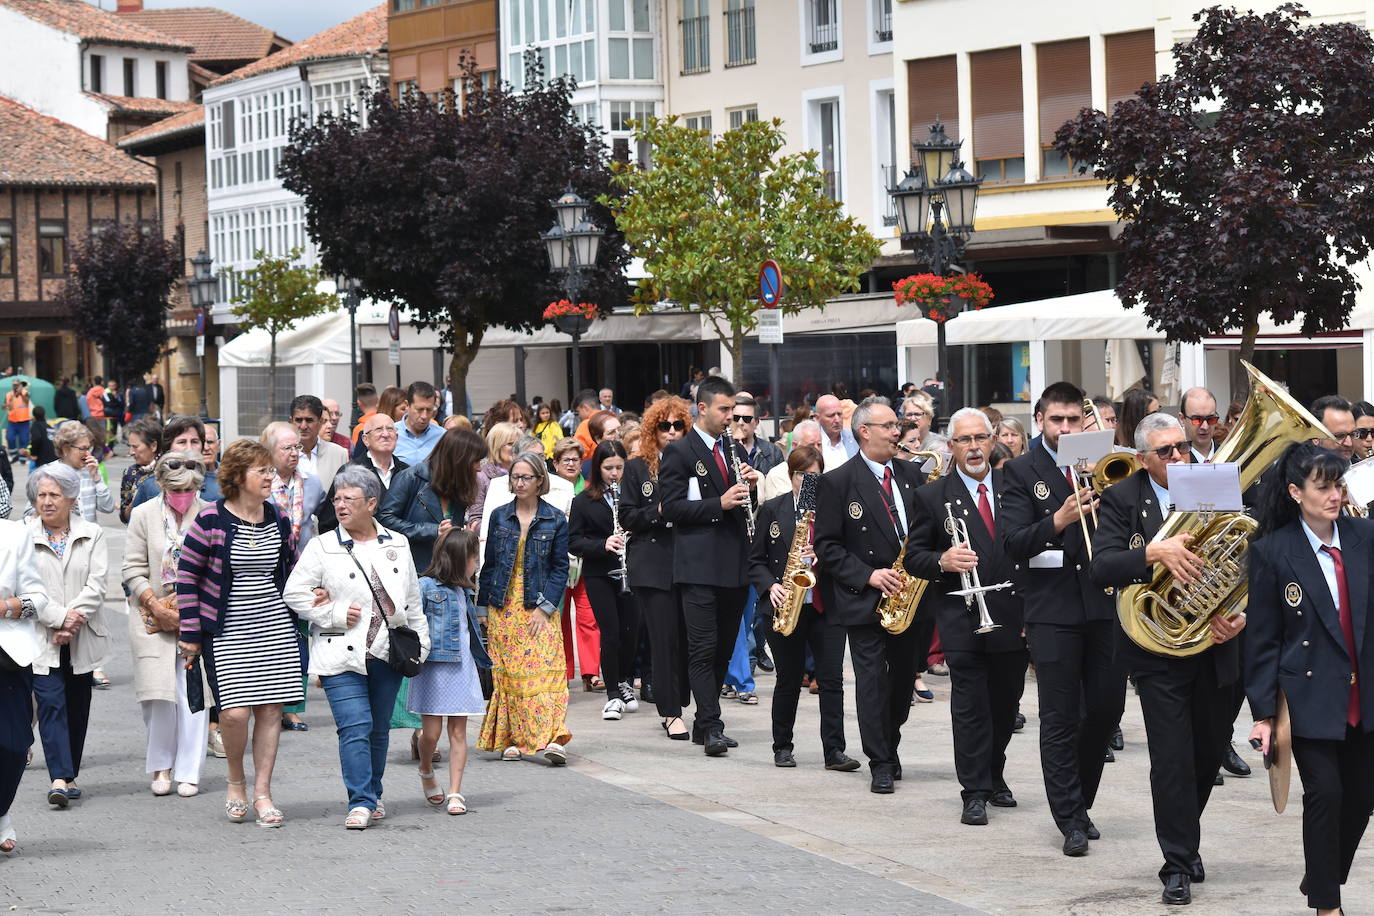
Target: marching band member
<point>861,520</point>
<point>707,501</point>
<point>1070,622</point>
<point>778,523</point>
<point>1186,701</point>
<point>1309,615</point>
<point>650,560</point>
<point>987,672</point>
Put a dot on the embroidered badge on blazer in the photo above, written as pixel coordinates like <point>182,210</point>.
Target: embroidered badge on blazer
<point>1137,541</point>
<point>648,488</point>
<point>1292,593</point>
<point>701,469</point>
<point>1042,490</point>
<point>775,531</point>
<point>391,554</point>
<point>856,510</point>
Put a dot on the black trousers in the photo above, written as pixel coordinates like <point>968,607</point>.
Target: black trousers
<point>1187,720</point>
<point>712,615</point>
<point>884,668</point>
<point>617,617</point>
<point>985,692</point>
<point>662,617</point>
<point>1082,694</point>
<point>64,712</point>
<point>826,641</point>
<point>924,625</point>
<point>16,731</point>
<point>1337,797</point>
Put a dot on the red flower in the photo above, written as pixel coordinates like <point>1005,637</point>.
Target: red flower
<point>563,307</point>
<point>934,294</point>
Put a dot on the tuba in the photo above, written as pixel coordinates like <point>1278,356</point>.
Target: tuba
<point>1112,468</point>
<point>1168,617</point>
<point>797,576</point>
<point>898,610</point>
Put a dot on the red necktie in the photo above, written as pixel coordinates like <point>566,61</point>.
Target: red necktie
<point>1068,475</point>
<point>887,494</point>
<point>985,509</point>
<point>720,463</point>
<point>1352,714</point>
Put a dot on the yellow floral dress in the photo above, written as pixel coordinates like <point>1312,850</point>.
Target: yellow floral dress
<point>529,702</point>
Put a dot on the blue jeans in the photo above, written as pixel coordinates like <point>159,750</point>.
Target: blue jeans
<point>18,435</point>
<point>362,714</point>
<point>740,674</point>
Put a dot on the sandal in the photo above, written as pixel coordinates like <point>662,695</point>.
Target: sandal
<point>667,728</point>
<point>99,681</point>
<point>748,698</point>
<point>511,753</point>
<point>236,808</point>
<point>358,818</point>
<point>272,817</point>
<point>598,683</point>
<point>727,692</point>
<point>555,755</point>
<point>435,798</point>
<point>379,812</point>
<point>9,841</point>
<point>457,804</point>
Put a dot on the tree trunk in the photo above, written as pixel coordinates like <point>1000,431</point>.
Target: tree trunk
<point>465,346</point>
<point>1249,332</point>
<point>272,377</point>
<point>735,346</point>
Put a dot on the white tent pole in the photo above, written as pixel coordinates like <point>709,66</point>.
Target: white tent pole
<point>1037,368</point>
<point>1192,367</point>
<point>1367,363</point>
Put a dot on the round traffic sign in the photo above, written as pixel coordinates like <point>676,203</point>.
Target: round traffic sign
<point>770,284</point>
<point>393,322</point>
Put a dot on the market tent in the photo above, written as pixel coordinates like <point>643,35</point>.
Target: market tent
<point>312,341</point>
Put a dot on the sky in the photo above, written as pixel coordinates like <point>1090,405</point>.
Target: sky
<point>293,19</point>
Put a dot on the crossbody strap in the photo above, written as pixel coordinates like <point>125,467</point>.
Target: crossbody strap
<point>377,600</point>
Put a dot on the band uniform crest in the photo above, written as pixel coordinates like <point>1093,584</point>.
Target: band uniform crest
<point>1042,490</point>
<point>648,488</point>
<point>775,531</point>
<point>1137,541</point>
<point>856,510</point>
<point>1292,593</point>
<point>701,469</point>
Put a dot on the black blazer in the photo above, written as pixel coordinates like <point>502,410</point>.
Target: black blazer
<point>1128,520</point>
<point>777,522</point>
<point>1033,490</point>
<point>854,536</point>
<point>710,544</point>
<point>324,516</point>
<point>651,541</point>
<point>930,539</point>
<point>1294,640</point>
<point>589,524</point>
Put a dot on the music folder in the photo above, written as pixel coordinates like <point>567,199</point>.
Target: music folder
<point>1205,487</point>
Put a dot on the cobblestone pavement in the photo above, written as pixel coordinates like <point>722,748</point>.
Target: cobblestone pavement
<point>636,824</point>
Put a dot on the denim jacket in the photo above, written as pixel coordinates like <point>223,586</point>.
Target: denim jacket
<point>546,558</point>
<point>446,607</point>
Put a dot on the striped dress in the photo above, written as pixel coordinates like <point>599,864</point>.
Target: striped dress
<point>255,659</point>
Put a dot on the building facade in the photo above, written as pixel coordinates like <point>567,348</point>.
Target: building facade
<point>431,43</point>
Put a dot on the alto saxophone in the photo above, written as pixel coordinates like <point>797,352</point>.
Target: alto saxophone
<point>618,531</point>
<point>898,610</point>
<point>797,576</point>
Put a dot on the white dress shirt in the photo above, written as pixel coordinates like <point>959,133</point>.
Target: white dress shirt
<point>973,486</point>
<point>898,503</point>
<point>1326,561</point>
<point>834,455</point>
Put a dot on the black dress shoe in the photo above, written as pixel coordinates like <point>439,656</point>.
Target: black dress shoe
<point>699,738</point>
<point>975,813</point>
<point>784,758</point>
<point>1020,723</point>
<point>897,772</point>
<point>1002,798</point>
<point>1178,890</point>
<point>1091,830</point>
<point>1118,742</point>
<point>1233,764</point>
<point>1219,780</point>
<point>882,783</point>
<point>1110,756</point>
<point>646,693</point>
<point>842,762</point>
<point>715,745</point>
<point>1076,843</point>
<point>765,663</point>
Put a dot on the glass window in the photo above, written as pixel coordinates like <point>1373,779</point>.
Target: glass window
<point>616,19</point>
<point>6,248</point>
<point>560,21</point>
<point>644,58</point>
<point>823,26</point>
<point>161,69</point>
<point>544,19</point>
<point>641,15</point>
<point>882,20</point>
<point>514,23</point>
<point>696,36</point>
<point>618,53</point>
<point>97,73</point>
<point>52,247</point>
<point>818,361</point>
<point>739,33</point>
<point>129,83</point>
<point>621,114</point>
<point>739,116</point>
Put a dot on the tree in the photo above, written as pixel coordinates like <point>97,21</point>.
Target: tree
<point>273,296</point>
<point>121,278</point>
<point>711,210</point>
<point>441,205</point>
<point>1242,178</point>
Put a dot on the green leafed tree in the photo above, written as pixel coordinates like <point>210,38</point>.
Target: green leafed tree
<point>275,295</point>
<point>713,209</point>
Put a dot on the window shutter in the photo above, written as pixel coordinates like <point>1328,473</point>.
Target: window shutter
<point>1065,80</point>
<point>998,121</point>
<point>932,92</point>
<point>1130,64</point>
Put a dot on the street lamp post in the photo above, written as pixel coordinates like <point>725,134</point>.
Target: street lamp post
<point>573,243</point>
<point>202,287</point>
<point>935,218</point>
<point>349,289</point>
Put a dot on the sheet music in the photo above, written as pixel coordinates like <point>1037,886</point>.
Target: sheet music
<point>1205,487</point>
<point>1084,447</point>
<point>1359,483</point>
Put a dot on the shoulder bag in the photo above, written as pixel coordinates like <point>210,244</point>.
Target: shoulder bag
<point>403,654</point>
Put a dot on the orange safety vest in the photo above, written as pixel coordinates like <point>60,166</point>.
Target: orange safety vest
<point>18,407</point>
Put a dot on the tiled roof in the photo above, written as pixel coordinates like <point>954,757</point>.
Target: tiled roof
<point>362,36</point>
<point>215,34</point>
<point>140,106</point>
<point>79,18</point>
<point>186,122</point>
<point>38,150</point>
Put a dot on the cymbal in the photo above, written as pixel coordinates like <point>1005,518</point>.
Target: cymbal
<point>1280,763</point>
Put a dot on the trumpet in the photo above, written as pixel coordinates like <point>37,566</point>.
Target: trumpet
<point>738,467</point>
<point>621,533</point>
<point>973,588</point>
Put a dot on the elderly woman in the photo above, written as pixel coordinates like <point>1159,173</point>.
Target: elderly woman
<point>1012,434</point>
<point>367,572</point>
<point>523,575</point>
<point>22,599</point>
<point>75,448</point>
<point>143,437</point>
<point>176,735</point>
<point>73,560</point>
<point>501,439</point>
<point>233,567</point>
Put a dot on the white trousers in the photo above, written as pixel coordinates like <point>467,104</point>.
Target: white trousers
<point>176,736</point>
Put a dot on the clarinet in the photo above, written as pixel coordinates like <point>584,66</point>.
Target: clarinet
<point>617,530</point>
<point>738,468</point>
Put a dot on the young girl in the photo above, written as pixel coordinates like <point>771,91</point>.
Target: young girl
<point>447,685</point>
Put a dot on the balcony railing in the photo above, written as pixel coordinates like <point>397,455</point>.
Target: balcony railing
<point>739,37</point>
<point>824,37</point>
<point>696,45</point>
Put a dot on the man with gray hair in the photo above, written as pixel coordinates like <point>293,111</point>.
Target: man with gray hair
<point>1187,701</point>
<point>778,481</point>
<point>379,436</point>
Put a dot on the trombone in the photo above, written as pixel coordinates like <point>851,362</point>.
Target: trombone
<point>973,588</point>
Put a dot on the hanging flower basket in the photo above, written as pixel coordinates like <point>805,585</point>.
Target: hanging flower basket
<point>571,318</point>
<point>939,297</point>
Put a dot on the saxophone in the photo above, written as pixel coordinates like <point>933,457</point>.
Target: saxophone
<point>898,610</point>
<point>797,576</point>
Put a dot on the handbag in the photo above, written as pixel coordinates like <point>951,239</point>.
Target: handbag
<point>403,653</point>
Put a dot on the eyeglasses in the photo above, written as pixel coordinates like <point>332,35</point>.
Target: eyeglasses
<point>382,430</point>
<point>914,414</point>
<point>742,419</point>
<point>82,448</point>
<point>966,441</point>
<point>522,478</point>
<point>264,470</point>
<point>340,500</point>
<point>176,464</point>
<point>891,424</point>
<point>1209,420</point>
<point>570,459</point>
<point>1165,451</point>
<point>290,448</point>
<point>1364,433</point>
<point>665,425</point>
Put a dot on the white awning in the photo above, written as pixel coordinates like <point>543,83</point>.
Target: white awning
<point>663,327</point>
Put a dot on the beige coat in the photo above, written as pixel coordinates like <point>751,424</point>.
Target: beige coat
<point>155,654</point>
<point>74,582</point>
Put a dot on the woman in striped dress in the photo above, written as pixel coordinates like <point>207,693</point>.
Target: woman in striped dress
<point>230,578</point>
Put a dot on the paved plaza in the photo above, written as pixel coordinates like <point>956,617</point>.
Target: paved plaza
<point>635,824</point>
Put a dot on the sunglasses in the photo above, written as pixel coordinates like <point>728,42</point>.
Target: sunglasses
<point>739,419</point>
<point>176,464</point>
<point>1165,451</point>
<point>1210,420</point>
<point>1364,433</point>
<point>665,425</point>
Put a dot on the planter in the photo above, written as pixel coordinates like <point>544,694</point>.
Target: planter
<point>576,325</point>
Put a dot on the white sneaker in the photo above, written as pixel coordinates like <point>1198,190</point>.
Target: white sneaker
<point>627,696</point>
<point>613,709</point>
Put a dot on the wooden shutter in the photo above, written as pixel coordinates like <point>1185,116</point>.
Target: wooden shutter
<point>932,92</point>
<point>998,120</point>
<point>1065,81</point>
<point>1130,64</point>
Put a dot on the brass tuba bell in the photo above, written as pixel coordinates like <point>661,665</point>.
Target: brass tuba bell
<point>1112,468</point>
